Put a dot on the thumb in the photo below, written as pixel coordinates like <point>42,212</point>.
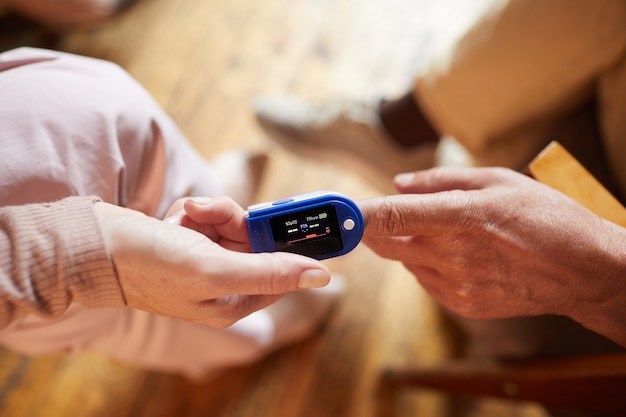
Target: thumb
<point>222,213</point>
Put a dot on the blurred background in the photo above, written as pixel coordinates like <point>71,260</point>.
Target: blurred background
<point>204,61</point>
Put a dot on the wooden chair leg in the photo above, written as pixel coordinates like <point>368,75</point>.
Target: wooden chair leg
<point>591,383</point>
<point>387,397</point>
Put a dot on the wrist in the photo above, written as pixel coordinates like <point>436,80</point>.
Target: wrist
<point>601,299</point>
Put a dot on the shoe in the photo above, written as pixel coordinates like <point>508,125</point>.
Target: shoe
<point>350,134</point>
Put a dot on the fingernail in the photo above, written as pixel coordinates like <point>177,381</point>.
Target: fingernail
<point>313,278</point>
<point>404,179</point>
<point>202,201</point>
<point>174,219</point>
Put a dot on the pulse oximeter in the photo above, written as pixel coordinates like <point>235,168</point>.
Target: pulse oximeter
<point>319,225</point>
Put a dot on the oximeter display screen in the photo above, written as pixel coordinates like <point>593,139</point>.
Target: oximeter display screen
<point>308,232</point>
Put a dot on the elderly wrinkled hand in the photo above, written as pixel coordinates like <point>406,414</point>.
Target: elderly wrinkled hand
<point>492,243</point>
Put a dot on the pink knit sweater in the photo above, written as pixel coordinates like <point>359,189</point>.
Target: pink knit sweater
<point>52,255</point>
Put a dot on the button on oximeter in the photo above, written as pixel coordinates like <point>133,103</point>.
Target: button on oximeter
<point>348,224</point>
<point>282,201</point>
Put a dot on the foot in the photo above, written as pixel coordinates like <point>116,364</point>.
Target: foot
<point>240,174</point>
<point>344,133</point>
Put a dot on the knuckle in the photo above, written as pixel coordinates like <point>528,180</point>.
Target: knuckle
<point>389,218</point>
<point>278,281</point>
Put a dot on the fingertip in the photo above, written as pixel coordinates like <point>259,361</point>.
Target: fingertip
<point>313,278</point>
<point>205,208</point>
<point>308,272</point>
<point>200,201</point>
<point>404,180</point>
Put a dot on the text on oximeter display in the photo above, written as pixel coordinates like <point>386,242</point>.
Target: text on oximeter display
<point>307,226</point>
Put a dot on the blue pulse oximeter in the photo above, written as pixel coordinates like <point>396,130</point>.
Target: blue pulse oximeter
<point>320,225</point>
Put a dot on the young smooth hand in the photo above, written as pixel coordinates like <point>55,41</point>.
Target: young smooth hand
<point>194,264</point>
<point>492,243</point>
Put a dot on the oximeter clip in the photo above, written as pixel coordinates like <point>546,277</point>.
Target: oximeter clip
<point>321,225</point>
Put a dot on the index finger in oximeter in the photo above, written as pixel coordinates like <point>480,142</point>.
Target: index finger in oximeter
<point>320,225</point>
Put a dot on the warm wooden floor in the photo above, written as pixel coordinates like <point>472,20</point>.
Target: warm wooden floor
<point>203,60</point>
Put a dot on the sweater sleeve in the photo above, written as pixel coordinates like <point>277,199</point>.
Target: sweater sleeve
<point>51,255</point>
